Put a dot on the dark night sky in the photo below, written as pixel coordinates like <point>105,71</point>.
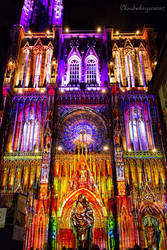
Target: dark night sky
<point>88,14</point>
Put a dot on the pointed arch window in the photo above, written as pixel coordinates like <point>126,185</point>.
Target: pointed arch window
<point>91,71</point>
<point>138,126</point>
<point>37,70</point>
<point>74,71</point>
<point>129,70</point>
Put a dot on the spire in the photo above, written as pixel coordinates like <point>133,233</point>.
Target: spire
<point>41,14</point>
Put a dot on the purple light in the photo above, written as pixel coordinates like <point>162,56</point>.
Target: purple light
<point>26,13</point>
<point>53,7</point>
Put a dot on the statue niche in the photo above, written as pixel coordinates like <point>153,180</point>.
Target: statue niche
<point>152,232</point>
<point>82,220</point>
<point>83,177</point>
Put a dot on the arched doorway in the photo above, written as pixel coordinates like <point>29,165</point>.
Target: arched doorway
<point>66,236</point>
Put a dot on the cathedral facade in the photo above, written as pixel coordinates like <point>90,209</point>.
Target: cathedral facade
<point>81,137</point>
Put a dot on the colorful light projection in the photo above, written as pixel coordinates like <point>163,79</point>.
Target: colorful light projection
<point>82,220</point>
<point>152,232</point>
<point>50,8</point>
<point>138,125</point>
<point>111,232</point>
<point>66,236</point>
<point>28,125</point>
<point>82,126</point>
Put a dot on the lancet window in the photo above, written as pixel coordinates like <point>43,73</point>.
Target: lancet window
<point>35,65</point>
<point>29,118</point>
<point>138,126</point>
<point>142,69</point>
<point>118,69</point>
<point>129,71</point>
<point>91,70</point>
<point>49,54</point>
<point>144,66</point>
<point>74,71</point>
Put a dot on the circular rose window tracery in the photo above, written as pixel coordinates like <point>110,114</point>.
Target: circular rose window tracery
<point>82,126</point>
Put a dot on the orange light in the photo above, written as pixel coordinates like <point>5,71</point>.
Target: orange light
<point>42,90</point>
<point>48,32</point>
<point>137,32</point>
<point>117,32</point>
<point>105,148</point>
<point>59,148</point>
<point>99,29</point>
<point>29,32</point>
<point>67,30</point>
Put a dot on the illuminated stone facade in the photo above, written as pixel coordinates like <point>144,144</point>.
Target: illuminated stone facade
<point>82,137</point>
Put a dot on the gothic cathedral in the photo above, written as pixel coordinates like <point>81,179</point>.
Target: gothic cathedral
<point>82,143</point>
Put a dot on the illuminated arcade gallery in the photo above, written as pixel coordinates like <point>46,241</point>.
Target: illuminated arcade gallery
<point>82,137</point>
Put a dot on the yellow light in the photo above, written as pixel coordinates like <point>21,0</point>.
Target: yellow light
<point>42,90</point>
<point>117,32</point>
<point>62,90</point>
<point>129,150</point>
<point>66,30</point>
<point>36,150</point>
<point>154,150</point>
<point>103,91</point>
<point>29,32</point>
<point>59,148</point>
<point>48,32</point>
<point>137,32</point>
<point>105,148</point>
<point>11,151</point>
<point>155,63</point>
<point>99,29</point>
<point>111,63</point>
<point>20,91</point>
